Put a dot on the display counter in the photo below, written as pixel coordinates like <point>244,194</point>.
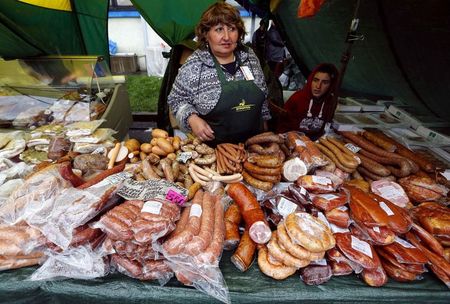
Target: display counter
<point>249,287</point>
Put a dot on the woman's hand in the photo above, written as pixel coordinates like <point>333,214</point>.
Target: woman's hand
<point>200,128</point>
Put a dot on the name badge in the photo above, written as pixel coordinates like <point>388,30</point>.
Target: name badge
<point>247,73</point>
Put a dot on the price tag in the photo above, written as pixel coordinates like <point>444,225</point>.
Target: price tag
<point>337,229</point>
<point>286,207</point>
<point>386,209</point>
<point>403,242</point>
<point>352,147</point>
<point>322,217</point>
<point>328,197</point>
<point>196,210</point>
<point>376,229</point>
<point>321,180</point>
<point>446,174</point>
<point>342,208</point>
<point>361,246</point>
<point>183,157</point>
<point>152,207</point>
<point>175,197</point>
<point>299,142</point>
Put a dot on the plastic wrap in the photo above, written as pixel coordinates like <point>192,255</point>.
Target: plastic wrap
<point>13,170</point>
<point>82,128</point>
<point>300,145</point>
<point>390,191</point>
<point>200,270</point>
<point>99,135</point>
<point>316,184</point>
<point>77,263</point>
<point>39,190</point>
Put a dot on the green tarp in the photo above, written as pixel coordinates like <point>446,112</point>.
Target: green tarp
<point>173,20</point>
<point>248,287</point>
<point>28,30</point>
<point>405,53</point>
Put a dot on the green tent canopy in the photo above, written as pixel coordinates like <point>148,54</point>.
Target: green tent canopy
<point>61,27</point>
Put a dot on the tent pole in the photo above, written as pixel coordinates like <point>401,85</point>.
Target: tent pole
<point>352,36</point>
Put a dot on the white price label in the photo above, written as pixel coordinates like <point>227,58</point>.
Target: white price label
<point>376,229</point>
<point>446,174</point>
<point>196,210</point>
<point>403,242</point>
<point>299,142</point>
<point>286,207</point>
<point>342,208</point>
<point>352,147</point>
<point>328,197</point>
<point>337,229</point>
<point>321,180</point>
<point>322,217</point>
<point>321,262</point>
<point>389,192</point>
<point>361,246</point>
<point>152,207</point>
<point>303,191</point>
<point>386,209</point>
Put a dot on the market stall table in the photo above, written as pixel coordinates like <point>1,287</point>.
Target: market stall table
<point>249,287</point>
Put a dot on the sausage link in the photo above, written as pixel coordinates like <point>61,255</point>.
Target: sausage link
<point>347,161</point>
<point>267,178</point>
<point>244,254</point>
<point>372,176</point>
<point>379,141</point>
<point>268,137</point>
<point>373,166</point>
<point>405,168</point>
<point>252,168</point>
<point>266,161</point>
<point>333,157</point>
<point>254,182</point>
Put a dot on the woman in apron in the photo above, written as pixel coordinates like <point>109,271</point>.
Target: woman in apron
<point>220,93</point>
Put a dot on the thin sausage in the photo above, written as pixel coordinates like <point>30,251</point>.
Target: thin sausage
<point>379,141</point>
<point>204,237</point>
<point>175,244</point>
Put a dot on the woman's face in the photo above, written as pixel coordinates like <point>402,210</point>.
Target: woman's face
<point>222,40</point>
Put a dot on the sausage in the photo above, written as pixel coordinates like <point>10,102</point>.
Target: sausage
<point>344,159</point>
<point>267,137</point>
<point>344,243</point>
<point>270,149</point>
<point>228,152</point>
<point>379,141</point>
<point>428,239</point>
<point>65,170</point>
<point>254,182</point>
<point>181,224</point>
<point>373,166</point>
<point>333,157</point>
<point>267,178</point>
<point>175,244</point>
<point>341,146</point>
<point>101,176</point>
<point>386,256</point>
<point>277,272</point>
<point>167,169</point>
<point>195,177</point>
<point>309,232</point>
<point>252,168</point>
<point>372,176</point>
<point>244,254</point>
<point>266,161</point>
<point>294,249</point>
<point>398,274</point>
<point>207,159</point>
<point>232,221</point>
<point>374,277</point>
<point>283,256</point>
<point>251,212</point>
<point>148,172</point>
<point>211,254</point>
<point>405,167</point>
<point>204,237</point>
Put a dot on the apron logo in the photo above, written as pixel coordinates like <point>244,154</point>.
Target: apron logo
<point>243,106</point>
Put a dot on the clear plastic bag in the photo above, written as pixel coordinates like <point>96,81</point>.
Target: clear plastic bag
<point>76,263</point>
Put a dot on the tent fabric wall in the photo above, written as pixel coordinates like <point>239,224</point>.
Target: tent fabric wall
<point>405,52</point>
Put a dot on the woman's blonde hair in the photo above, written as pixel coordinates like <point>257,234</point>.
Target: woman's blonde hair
<point>219,13</point>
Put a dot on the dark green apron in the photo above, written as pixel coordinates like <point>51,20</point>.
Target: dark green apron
<point>237,114</point>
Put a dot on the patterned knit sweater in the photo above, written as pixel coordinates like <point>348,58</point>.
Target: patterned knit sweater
<point>197,89</point>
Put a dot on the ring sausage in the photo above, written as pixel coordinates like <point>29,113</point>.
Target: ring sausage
<point>283,256</point>
<point>252,168</point>
<point>294,249</point>
<point>373,166</point>
<point>277,272</point>
<point>405,168</point>
<point>254,182</point>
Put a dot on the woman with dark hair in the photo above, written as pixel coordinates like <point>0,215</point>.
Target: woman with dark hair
<point>308,109</point>
<point>220,93</point>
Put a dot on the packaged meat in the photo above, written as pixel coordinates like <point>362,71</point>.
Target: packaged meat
<point>329,201</point>
<point>86,162</point>
<point>315,184</point>
<point>316,274</point>
<point>422,189</point>
<point>58,147</point>
<point>390,191</point>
